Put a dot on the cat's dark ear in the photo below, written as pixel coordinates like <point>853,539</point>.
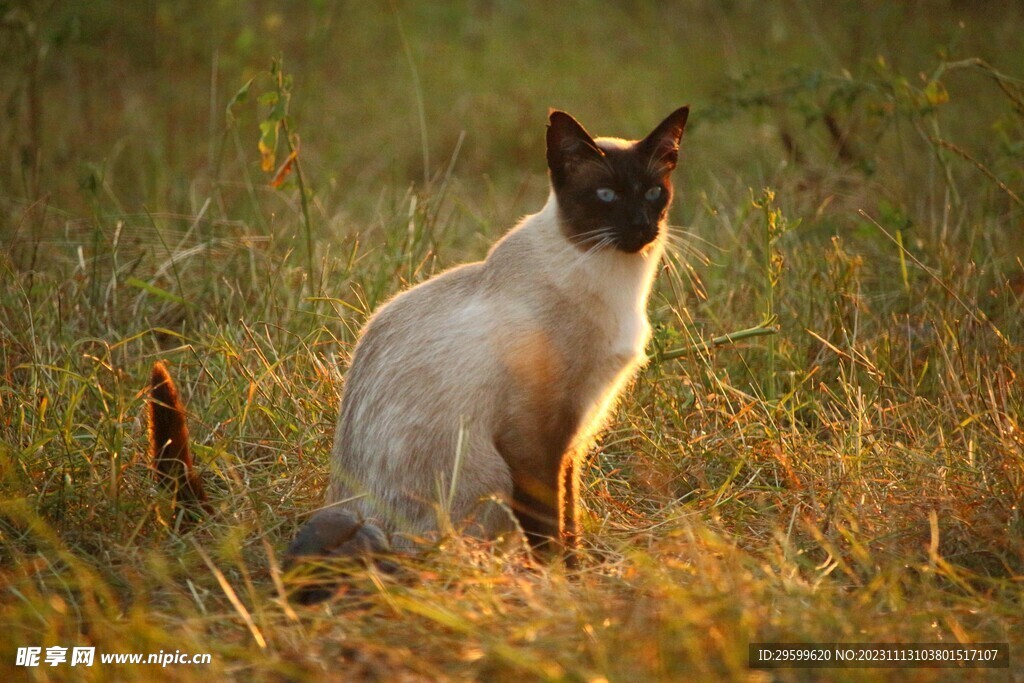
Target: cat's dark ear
<point>569,146</point>
<point>662,145</point>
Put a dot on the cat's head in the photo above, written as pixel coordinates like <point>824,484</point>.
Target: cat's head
<point>612,193</point>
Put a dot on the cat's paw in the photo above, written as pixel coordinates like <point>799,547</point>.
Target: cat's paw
<point>334,534</point>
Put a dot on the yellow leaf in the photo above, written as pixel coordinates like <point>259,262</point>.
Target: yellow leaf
<point>267,157</point>
<point>268,144</point>
<point>935,92</point>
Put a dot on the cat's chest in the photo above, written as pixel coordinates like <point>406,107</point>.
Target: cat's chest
<point>617,306</point>
<point>614,355</point>
<point>630,335</point>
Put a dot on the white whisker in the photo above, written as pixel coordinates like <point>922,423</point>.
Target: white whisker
<point>590,235</point>
<point>681,231</point>
<point>607,240</point>
<point>675,264</point>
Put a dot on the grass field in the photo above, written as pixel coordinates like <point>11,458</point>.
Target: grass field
<point>852,176</point>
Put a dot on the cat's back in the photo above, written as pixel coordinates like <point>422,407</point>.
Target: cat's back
<point>461,311</point>
<point>408,335</point>
<point>441,353</point>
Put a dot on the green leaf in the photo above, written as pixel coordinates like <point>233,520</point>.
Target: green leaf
<point>241,96</point>
<point>280,109</point>
<point>156,291</point>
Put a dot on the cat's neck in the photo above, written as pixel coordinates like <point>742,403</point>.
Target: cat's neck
<point>607,272</point>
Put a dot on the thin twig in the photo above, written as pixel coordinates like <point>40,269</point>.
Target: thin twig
<point>980,166</point>
<point>766,327</point>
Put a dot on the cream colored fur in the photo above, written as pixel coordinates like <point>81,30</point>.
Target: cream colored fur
<point>503,351</point>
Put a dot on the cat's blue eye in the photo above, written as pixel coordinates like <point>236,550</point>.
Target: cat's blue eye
<point>652,193</point>
<point>606,194</point>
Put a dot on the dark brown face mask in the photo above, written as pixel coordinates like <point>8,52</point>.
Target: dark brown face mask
<point>612,193</point>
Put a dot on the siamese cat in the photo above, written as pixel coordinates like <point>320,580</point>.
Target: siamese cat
<point>472,397</point>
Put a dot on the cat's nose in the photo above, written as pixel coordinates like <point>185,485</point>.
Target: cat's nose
<point>639,219</point>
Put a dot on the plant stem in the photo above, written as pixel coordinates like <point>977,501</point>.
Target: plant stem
<point>764,328</point>
<point>307,222</point>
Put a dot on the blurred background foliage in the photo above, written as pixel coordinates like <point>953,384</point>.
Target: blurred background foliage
<point>123,102</point>
<point>885,126</point>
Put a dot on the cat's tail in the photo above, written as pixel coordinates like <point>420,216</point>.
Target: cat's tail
<point>169,449</point>
<point>329,535</point>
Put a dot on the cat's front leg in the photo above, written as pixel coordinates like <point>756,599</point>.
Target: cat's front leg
<point>569,507</point>
<point>535,450</point>
<point>535,504</point>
